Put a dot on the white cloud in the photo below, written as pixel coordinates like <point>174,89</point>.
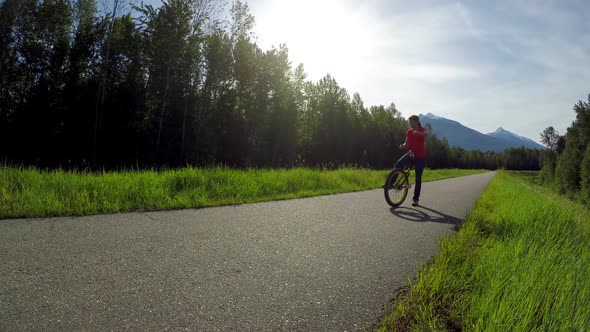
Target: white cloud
<point>427,72</point>
<point>520,65</point>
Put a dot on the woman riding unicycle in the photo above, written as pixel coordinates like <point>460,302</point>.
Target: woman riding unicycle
<point>415,137</point>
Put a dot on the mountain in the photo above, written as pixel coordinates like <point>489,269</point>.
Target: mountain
<point>470,139</point>
<point>516,139</point>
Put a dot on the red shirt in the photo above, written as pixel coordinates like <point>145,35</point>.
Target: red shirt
<point>416,142</point>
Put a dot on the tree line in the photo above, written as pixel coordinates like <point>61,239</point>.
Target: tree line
<point>175,85</point>
<point>567,167</point>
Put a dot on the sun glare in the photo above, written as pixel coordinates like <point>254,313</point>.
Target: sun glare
<point>326,36</point>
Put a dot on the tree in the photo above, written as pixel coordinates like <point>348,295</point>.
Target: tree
<point>11,78</point>
<point>328,115</point>
<point>585,176</point>
<point>582,122</point>
<point>175,85</point>
<point>218,122</point>
<point>280,131</point>
<point>567,171</point>
<point>114,8</point>
<point>548,171</point>
<point>173,43</point>
<point>577,138</point>
<point>10,11</point>
<point>551,138</point>
<point>126,88</point>
<point>242,22</point>
<point>438,151</point>
<point>81,84</point>
<point>43,33</point>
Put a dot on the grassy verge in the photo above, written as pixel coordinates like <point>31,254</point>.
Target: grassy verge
<point>34,193</point>
<point>521,262</point>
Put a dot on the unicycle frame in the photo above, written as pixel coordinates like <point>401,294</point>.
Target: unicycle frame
<point>397,192</point>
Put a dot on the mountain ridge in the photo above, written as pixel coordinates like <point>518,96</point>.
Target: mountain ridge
<point>459,135</point>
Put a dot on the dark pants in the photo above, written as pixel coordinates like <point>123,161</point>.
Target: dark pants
<point>419,163</point>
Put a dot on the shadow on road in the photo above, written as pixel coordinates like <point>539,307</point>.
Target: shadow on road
<point>424,214</point>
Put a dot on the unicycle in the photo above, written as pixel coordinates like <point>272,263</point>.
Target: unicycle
<point>396,186</point>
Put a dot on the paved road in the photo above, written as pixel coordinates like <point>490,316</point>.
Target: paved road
<point>328,263</point>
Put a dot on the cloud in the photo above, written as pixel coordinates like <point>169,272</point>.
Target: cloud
<point>467,20</point>
<point>520,65</point>
<point>432,72</point>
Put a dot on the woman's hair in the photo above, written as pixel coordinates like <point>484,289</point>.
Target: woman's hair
<point>415,118</point>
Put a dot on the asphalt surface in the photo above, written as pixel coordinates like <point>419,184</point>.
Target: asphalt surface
<point>329,263</point>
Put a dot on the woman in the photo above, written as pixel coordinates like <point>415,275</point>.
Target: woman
<point>415,137</point>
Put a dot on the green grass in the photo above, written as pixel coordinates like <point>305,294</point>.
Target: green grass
<point>28,192</point>
<point>521,262</point>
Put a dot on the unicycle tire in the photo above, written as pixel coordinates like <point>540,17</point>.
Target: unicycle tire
<point>396,188</point>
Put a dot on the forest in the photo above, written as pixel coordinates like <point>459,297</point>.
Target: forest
<point>116,85</point>
<point>567,167</point>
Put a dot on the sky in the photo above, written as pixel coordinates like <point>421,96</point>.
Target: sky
<point>520,65</point>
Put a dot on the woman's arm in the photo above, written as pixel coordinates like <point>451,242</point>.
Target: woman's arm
<point>420,133</point>
<point>405,145</point>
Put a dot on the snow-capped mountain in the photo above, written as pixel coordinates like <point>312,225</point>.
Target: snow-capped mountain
<point>470,139</point>
<point>517,139</point>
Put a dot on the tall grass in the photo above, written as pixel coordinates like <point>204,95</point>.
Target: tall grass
<point>521,262</point>
<point>29,192</point>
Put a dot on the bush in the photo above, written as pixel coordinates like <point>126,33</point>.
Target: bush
<point>547,173</point>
